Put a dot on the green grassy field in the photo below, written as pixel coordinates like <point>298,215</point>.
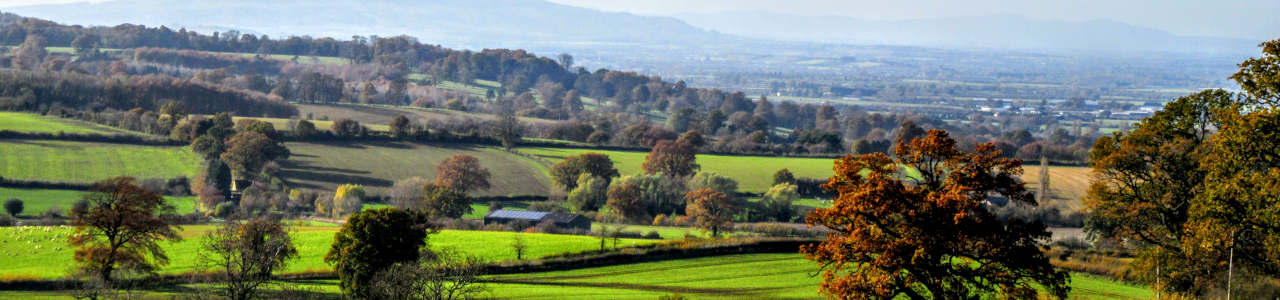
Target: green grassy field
<point>745,276</point>
<point>754,173</point>
<point>749,276</point>
<point>42,251</point>
<point>25,122</point>
<point>377,165</point>
<point>38,200</point>
<point>66,161</point>
<point>283,124</point>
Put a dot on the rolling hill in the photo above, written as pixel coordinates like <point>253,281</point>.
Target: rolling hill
<point>461,23</point>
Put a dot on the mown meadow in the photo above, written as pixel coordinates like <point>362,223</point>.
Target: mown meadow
<point>378,165</point>
<point>41,252</point>
<point>26,122</point>
<point>36,201</point>
<point>85,162</point>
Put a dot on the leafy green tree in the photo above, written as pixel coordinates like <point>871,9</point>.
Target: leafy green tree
<point>259,126</point>
<point>693,138</point>
<point>681,120</point>
<point>85,46</point>
<point>599,138</point>
<point>348,199</point>
<point>372,241</point>
<point>208,146</point>
<point>567,172</point>
<point>1145,182</point>
<point>777,202</point>
<point>400,127</point>
<point>717,182</point>
<point>1260,77</point>
<point>590,193</point>
<point>658,194</point>
<point>783,176</point>
<point>444,202</point>
<point>248,151</point>
<point>714,121</point>
<point>347,128</point>
<point>14,206</point>
<point>305,129</point>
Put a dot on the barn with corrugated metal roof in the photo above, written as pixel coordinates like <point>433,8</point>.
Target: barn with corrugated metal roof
<point>561,220</point>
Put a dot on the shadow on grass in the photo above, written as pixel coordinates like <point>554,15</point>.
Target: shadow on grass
<point>744,293</point>
<point>652,269</point>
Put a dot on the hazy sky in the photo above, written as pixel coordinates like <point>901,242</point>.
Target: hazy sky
<point>1252,19</point>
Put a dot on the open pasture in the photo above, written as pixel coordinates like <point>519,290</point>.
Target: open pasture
<point>33,123</point>
<point>377,165</point>
<point>42,251</point>
<point>753,173</point>
<point>747,276</point>
<point>66,161</point>
<point>37,201</point>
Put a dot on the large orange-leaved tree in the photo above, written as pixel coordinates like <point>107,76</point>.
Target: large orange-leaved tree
<point>930,236</point>
<point>120,228</point>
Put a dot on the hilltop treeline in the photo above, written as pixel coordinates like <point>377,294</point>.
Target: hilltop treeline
<point>603,107</point>
<point>41,90</point>
<point>207,60</point>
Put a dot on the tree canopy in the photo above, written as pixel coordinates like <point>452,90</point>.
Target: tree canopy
<point>372,241</point>
<point>120,228</point>
<point>672,159</point>
<point>462,173</point>
<point>566,172</point>
<point>932,237</point>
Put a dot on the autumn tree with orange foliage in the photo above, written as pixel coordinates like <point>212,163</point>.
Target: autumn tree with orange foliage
<point>625,200</point>
<point>711,210</point>
<point>930,237</point>
<point>672,158</point>
<point>120,229</point>
<point>462,173</point>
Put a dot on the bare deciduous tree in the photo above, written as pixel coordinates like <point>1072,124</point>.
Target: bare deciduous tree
<point>444,275</point>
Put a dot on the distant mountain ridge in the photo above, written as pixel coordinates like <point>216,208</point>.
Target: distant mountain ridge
<point>459,23</point>
<point>528,24</point>
<point>989,32</point>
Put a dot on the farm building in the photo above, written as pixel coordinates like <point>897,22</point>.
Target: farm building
<point>561,220</point>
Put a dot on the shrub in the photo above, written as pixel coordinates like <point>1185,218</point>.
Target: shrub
<point>348,199</point>
<point>590,193</point>
<point>53,212</point>
<point>7,220</point>
<point>14,206</point>
<point>224,209</point>
<point>660,220</point>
